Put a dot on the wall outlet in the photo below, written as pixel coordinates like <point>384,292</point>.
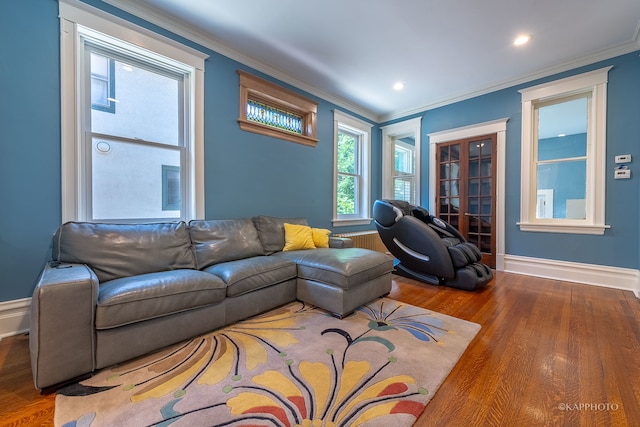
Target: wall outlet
<point>622,174</point>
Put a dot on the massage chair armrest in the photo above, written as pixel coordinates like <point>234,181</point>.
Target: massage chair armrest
<point>418,246</point>
<point>62,333</point>
<point>340,242</point>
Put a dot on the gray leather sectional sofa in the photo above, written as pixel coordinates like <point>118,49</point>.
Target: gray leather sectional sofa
<point>114,292</point>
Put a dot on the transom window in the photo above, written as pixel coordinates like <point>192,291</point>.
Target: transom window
<point>271,110</point>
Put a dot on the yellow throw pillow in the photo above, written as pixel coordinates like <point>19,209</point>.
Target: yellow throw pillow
<point>297,237</point>
<point>320,237</point>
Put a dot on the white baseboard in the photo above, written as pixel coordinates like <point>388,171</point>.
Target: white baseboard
<point>14,317</point>
<point>590,274</point>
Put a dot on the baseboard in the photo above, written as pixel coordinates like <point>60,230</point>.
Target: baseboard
<point>14,317</point>
<point>590,274</point>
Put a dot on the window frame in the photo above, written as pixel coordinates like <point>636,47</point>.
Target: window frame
<point>78,20</point>
<point>594,85</point>
<point>389,134</point>
<point>350,124</point>
<point>264,92</point>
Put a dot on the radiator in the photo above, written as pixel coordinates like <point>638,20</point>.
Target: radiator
<point>366,239</point>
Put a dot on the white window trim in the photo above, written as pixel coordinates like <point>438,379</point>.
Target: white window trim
<point>73,14</point>
<point>389,132</point>
<point>342,120</point>
<point>594,82</point>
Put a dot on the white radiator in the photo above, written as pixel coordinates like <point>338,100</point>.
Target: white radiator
<point>366,239</point>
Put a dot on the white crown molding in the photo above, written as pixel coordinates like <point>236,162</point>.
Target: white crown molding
<point>183,29</point>
<point>602,55</point>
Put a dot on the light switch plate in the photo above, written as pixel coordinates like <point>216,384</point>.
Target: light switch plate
<point>623,158</point>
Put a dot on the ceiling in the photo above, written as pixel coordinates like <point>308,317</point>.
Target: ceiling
<point>351,52</point>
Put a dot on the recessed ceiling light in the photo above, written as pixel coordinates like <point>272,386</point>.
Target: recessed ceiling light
<point>522,39</point>
<point>398,86</point>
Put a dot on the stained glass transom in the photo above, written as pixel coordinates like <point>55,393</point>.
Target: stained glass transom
<point>274,117</point>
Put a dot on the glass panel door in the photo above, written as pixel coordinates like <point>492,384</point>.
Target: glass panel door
<point>466,190</point>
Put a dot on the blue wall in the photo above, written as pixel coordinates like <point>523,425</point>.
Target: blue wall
<point>619,247</point>
<point>248,174</point>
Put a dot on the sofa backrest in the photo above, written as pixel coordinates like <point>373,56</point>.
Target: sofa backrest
<point>122,250</point>
<point>222,240</point>
<point>271,231</point>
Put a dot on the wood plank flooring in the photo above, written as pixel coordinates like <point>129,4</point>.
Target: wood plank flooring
<point>549,353</point>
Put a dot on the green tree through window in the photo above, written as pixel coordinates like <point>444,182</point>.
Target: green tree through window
<point>348,146</point>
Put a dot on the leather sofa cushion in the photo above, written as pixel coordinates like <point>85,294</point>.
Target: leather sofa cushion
<point>217,241</point>
<point>113,251</point>
<point>271,231</point>
<point>138,298</point>
<point>345,268</point>
<point>246,275</point>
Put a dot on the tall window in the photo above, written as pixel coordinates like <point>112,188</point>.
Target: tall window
<point>352,170</point>
<point>563,155</point>
<point>133,128</point>
<point>401,160</point>
<point>404,171</point>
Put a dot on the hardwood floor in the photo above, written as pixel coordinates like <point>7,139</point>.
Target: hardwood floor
<point>549,353</point>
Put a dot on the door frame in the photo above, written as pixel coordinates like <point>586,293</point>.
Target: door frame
<point>498,127</point>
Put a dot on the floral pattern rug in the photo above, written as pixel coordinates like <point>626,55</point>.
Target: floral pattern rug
<point>294,366</point>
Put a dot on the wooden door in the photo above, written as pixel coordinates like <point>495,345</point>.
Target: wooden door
<point>466,190</point>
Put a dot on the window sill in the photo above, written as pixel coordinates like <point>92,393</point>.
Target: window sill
<point>570,228</point>
<point>249,126</point>
<point>348,222</point>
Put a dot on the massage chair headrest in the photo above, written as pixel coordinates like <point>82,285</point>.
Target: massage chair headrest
<point>388,212</point>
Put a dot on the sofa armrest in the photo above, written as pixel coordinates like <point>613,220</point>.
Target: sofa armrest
<point>340,242</point>
<point>62,336</point>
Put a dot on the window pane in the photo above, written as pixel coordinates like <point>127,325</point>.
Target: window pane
<point>565,184</point>
<point>148,103</point>
<point>127,180</point>
<point>562,130</point>
<point>347,196</point>
<point>271,116</point>
<point>347,153</point>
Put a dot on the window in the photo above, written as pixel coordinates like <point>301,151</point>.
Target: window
<point>400,161</point>
<point>103,87</point>
<point>132,131</point>
<point>563,155</point>
<point>352,170</point>
<point>404,176</point>
<point>170,188</point>
<point>271,110</point>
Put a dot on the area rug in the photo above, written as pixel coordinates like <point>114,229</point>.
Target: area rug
<point>294,366</point>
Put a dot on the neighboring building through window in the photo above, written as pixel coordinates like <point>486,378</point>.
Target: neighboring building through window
<point>352,184</point>
<point>103,87</point>
<point>563,155</point>
<point>170,188</point>
<point>137,161</point>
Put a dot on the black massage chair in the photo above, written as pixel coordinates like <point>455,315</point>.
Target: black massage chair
<point>427,248</point>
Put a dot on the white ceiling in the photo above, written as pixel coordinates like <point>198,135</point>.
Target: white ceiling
<point>351,52</point>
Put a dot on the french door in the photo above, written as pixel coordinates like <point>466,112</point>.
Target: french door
<point>466,190</point>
